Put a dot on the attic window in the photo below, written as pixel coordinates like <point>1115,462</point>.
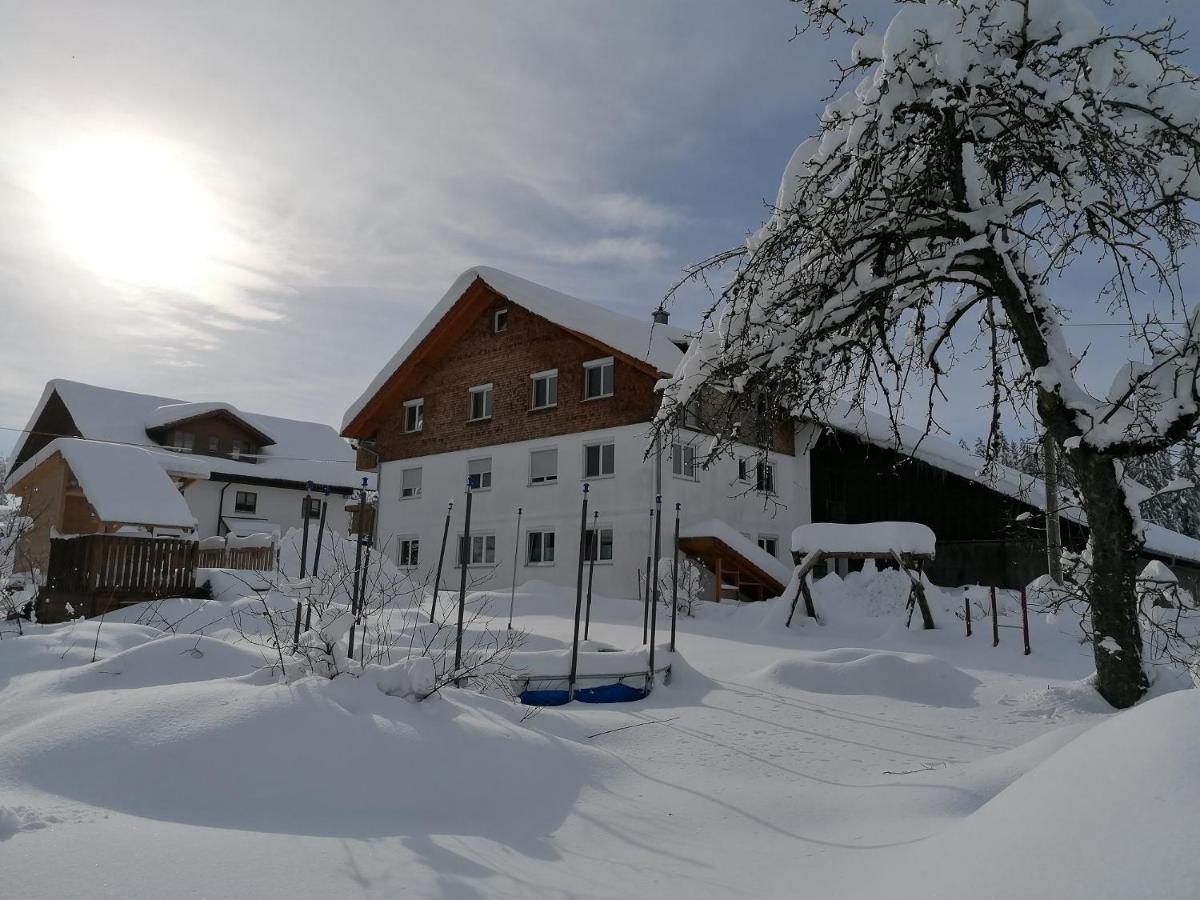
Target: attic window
<point>183,441</point>
<point>598,379</point>
<point>414,415</point>
<point>500,321</point>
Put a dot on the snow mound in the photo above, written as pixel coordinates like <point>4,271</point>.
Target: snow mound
<point>912,677</point>
<point>1076,825</point>
<point>174,659</point>
<point>313,757</point>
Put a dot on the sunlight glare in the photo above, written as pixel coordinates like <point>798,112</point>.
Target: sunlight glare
<point>129,209</point>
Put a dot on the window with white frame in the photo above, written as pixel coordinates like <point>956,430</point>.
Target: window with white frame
<point>479,473</point>
<point>539,548</point>
<point>214,443</point>
<point>543,466</point>
<point>683,460</point>
<point>480,406</point>
<point>599,544</point>
<point>500,321</point>
<point>768,542</point>
<point>598,379</point>
<point>543,389</point>
<point>184,441</point>
<point>410,554</point>
<point>599,460</point>
<point>691,415</point>
<point>410,483</point>
<point>482,550</point>
<point>765,477</point>
<point>414,415</point>
<point>245,502</point>
<point>236,449</point>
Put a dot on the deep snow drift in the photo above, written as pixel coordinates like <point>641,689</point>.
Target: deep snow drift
<point>856,756</point>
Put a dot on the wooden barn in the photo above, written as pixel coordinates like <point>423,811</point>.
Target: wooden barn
<point>990,528</point>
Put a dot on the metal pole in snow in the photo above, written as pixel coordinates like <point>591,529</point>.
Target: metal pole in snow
<point>646,599</point>
<point>675,580</point>
<point>578,595</point>
<point>654,602</point>
<point>320,534</point>
<point>995,621</point>
<point>462,584</point>
<point>593,551</point>
<point>967,611</point>
<point>437,579</point>
<point>1025,620</point>
<point>357,568</point>
<point>362,603</point>
<point>512,597</point>
<point>308,486</point>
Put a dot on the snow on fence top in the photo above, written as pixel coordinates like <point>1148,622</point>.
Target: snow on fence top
<point>123,484</point>
<point>633,337</point>
<point>746,548</point>
<point>870,537</point>
<point>303,451</point>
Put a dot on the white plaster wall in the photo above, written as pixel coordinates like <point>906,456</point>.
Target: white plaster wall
<point>280,506</point>
<point>624,502</point>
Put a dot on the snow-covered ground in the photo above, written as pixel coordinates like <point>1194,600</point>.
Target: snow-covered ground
<point>851,758</point>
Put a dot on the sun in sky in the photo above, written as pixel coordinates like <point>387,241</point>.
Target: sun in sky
<point>130,209</point>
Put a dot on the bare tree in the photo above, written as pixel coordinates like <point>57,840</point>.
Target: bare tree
<point>985,148</point>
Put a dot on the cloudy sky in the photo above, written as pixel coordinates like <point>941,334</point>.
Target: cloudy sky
<point>258,201</point>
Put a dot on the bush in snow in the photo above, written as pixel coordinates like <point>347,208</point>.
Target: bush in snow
<point>358,611</point>
<point>985,147</point>
<point>690,585</point>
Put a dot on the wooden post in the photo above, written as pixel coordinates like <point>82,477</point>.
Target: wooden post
<point>967,612</point>
<point>357,568</point>
<point>995,621</point>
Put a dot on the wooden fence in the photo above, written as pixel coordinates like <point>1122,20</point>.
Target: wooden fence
<point>103,571</point>
<point>256,559</point>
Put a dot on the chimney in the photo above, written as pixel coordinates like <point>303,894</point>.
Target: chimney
<point>660,316</point>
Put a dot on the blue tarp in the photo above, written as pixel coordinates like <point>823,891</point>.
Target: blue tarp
<point>605,693</point>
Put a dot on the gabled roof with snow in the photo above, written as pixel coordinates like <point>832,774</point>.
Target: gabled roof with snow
<point>942,454</point>
<point>124,484</point>
<point>656,345</point>
<point>303,451</point>
<point>178,413</point>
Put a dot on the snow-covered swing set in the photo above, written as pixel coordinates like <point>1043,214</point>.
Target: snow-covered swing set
<point>907,544</point>
<point>603,687</point>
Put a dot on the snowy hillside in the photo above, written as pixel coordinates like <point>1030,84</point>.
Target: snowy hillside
<point>856,756</point>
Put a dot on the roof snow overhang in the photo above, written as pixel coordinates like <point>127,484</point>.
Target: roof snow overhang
<point>614,334</point>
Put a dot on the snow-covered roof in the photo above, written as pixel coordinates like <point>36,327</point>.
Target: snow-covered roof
<point>637,338</point>
<point>173,413</point>
<point>942,454</point>
<point>123,484</point>
<point>742,545</point>
<point>303,451</point>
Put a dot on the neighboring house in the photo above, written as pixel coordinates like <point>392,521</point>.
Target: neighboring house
<point>531,393</point>
<point>94,459</point>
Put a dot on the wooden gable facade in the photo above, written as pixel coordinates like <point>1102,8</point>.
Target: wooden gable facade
<point>465,350</point>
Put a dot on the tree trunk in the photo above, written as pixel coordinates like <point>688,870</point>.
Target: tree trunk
<point>1111,596</point>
